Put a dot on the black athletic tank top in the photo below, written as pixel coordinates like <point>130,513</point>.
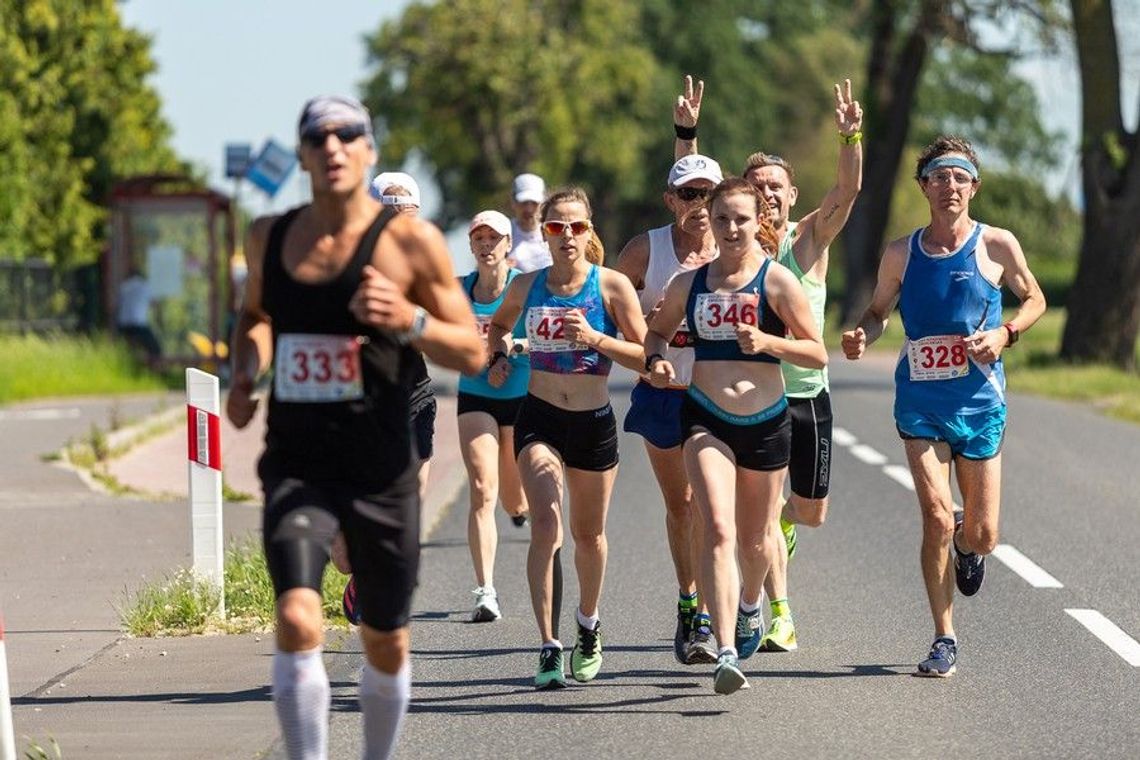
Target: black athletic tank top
<point>367,439</point>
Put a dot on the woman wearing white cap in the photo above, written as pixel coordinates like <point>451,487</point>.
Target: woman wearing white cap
<point>565,434</point>
<point>487,413</point>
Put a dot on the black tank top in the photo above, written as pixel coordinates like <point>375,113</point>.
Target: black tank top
<point>366,440</point>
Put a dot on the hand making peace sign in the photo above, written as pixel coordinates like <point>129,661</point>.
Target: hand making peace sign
<point>688,108</point>
<point>848,112</point>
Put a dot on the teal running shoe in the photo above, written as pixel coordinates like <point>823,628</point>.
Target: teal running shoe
<point>550,675</point>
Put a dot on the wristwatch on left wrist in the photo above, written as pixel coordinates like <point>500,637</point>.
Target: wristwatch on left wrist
<point>419,322</point>
<point>1011,334</point>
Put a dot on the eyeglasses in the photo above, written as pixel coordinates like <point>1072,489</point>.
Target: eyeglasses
<point>690,194</point>
<point>555,229</point>
<point>345,134</point>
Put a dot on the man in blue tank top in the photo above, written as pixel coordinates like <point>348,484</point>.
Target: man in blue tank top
<point>949,383</point>
<point>340,299</point>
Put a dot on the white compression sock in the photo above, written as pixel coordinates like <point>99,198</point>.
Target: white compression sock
<point>301,699</point>
<point>383,703</point>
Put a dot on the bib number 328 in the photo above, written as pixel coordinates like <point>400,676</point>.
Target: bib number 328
<point>938,357</point>
<point>317,368</point>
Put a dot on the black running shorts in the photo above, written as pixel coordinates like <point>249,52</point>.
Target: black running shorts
<point>809,469</point>
<point>585,440</point>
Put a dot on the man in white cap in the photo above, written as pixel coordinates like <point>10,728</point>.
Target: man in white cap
<point>398,189</point>
<point>651,261</point>
<point>340,298</point>
<point>528,249</point>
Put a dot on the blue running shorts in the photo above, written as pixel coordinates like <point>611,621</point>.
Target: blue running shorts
<point>972,436</point>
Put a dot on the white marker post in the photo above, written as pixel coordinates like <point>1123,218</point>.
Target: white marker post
<point>204,449</point>
<point>7,736</point>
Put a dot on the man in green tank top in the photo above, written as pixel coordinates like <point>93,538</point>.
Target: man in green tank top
<point>804,250</point>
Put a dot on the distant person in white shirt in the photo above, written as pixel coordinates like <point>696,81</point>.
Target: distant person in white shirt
<point>133,316</point>
<point>528,249</point>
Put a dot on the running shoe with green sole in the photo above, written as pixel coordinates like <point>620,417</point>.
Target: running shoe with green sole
<point>550,675</point>
<point>586,656</point>
<point>728,678</point>
<point>789,531</point>
<point>780,636</point>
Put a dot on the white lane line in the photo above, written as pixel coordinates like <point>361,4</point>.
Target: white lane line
<point>40,414</point>
<point>1029,570</point>
<point>1109,633</point>
<point>843,437</point>
<point>900,475</point>
<point>867,455</point>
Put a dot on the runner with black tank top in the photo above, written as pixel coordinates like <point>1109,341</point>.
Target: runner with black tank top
<point>740,307</point>
<point>804,250</point>
<point>565,431</point>
<point>339,300</point>
<point>651,261</point>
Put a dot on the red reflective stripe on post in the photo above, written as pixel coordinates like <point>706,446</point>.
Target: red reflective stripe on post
<point>203,437</point>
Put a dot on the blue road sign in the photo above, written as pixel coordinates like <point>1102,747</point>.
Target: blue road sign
<point>237,159</point>
<point>271,167</point>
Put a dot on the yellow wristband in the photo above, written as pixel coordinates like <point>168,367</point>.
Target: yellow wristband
<point>851,139</point>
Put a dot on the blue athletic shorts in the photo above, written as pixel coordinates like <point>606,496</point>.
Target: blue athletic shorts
<point>972,436</point>
<point>655,415</point>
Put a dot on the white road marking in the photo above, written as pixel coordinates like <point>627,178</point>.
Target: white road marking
<point>1029,570</point>
<point>1109,633</point>
<point>842,437</point>
<point>900,475</point>
<point>39,414</point>
<point>867,455</point>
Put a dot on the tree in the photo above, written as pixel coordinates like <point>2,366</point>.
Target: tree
<point>75,115</point>
<point>994,108</point>
<point>1104,303</point>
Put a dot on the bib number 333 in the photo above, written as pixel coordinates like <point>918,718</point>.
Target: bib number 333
<point>317,368</point>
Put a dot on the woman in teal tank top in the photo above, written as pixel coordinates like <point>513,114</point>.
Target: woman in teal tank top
<point>486,414</point>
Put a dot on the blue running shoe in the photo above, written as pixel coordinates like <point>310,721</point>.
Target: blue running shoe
<point>940,662</point>
<point>748,632</point>
<point>683,631</point>
<point>969,569</point>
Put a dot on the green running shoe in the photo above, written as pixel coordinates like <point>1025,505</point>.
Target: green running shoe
<point>727,677</point>
<point>789,531</point>
<point>550,674</point>
<point>780,636</point>
<point>586,656</point>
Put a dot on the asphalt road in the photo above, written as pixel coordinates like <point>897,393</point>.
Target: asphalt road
<point>1032,679</point>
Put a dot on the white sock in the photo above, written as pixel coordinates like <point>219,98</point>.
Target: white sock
<point>727,650</point>
<point>552,644</point>
<point>587,621</point>
<point>301,698</point>
<point>749,607</point>
<point>384,703</point>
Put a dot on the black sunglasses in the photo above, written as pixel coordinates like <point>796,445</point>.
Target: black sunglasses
<point>345,134</point>
<point>689,194</point>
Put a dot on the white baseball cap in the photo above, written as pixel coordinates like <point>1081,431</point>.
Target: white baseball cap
<point>689,168</point>
<point>493,219</point>
<point>529,187</point>
<point>385,180</point>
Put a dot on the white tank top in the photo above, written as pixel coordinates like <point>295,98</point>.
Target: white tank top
<point>662,268</point>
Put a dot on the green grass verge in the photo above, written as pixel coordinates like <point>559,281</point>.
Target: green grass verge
<point>37,366</point>
<point>183,605</point>
<point>1032,366</point>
